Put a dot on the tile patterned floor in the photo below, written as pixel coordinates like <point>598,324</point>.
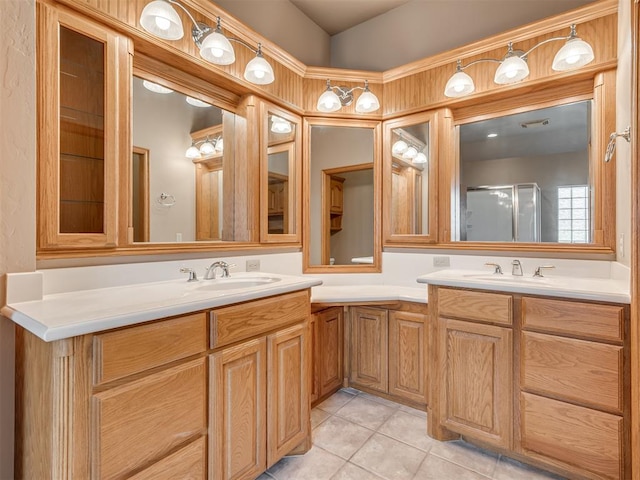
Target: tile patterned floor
<point>357,436</point>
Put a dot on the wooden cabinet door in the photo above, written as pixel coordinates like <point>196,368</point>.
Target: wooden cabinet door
<point>83,110</point>
<point>330,351</point>
<point>407,356</point>
<point>476,393</point>
<point>369,348</point>
<point>288,391</point>
<point>237,447</point>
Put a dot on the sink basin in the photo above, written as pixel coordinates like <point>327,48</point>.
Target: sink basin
<point>236,283</point>
<point>507,278</point>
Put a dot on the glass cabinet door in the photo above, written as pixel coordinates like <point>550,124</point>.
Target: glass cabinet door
<point>83,75</point>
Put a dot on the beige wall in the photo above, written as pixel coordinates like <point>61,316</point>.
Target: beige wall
<point>285,25</point>
<point>17,181</point>
<point>421,28</point>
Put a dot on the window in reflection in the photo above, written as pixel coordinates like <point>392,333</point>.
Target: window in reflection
<point>511,171</point>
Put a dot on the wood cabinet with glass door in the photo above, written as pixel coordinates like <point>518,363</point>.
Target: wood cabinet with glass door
<point>83,84</point>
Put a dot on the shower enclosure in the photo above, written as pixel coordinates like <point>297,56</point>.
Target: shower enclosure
<point>505,213</point>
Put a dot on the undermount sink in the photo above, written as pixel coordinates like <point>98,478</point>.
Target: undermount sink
<point>506,278</point>
<point>236,283</point>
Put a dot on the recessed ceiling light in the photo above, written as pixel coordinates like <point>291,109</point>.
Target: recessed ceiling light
<point>492,135</point>
<point>197,103</point>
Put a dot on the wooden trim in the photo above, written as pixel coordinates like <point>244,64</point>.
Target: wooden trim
<point>375,126</point>
<point>144,191</point>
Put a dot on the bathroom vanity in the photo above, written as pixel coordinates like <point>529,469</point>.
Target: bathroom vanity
<point>537,376</point>
<point>217,391</point>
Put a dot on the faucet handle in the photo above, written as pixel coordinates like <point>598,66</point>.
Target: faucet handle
<point>192,274</point>
<point>538,272</point>
<point>497,269</point>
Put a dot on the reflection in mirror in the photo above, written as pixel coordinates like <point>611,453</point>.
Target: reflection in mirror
<point>280,166</point>
<point>410,180</point>
<point>184,142</point>
<point>526,177</point>
<point>342,195</point>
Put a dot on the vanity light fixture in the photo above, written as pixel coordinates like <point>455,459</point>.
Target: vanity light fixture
<point>160,19</point>
<point>156,88</point>
<point>410,153</point>
<point>207,147</point>
<point>513,67</point>
<point>334,98</point>
<point>399,147</point>
<point>280,125</point>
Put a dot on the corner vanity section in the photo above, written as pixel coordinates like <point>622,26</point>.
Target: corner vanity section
<point>204,380</point>
<point>532,368</point>
<point>370,337</point>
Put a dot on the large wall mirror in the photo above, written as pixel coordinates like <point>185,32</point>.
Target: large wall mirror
<point>182,153</point>
<point>342,181</point>
<point>410,179</point>
<point>526,177</point>
<point>280,175</point>
<point>530,171</point>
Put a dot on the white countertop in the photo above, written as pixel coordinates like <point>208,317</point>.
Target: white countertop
<point>367,293</point>
<point>66,315</point>
<point>598,289</point>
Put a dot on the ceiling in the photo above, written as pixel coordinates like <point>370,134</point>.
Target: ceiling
<point>335,16</point>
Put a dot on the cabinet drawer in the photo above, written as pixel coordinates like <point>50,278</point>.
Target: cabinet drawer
<point>487,307</point>
<point>125,352</point>
<point>604,322</point>
<point>231,324</point>
<point>140,422</point>
<point>188,462</point>
<point>587,440</point>
<point>577,370</point>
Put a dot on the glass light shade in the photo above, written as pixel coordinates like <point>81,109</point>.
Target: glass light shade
<point>367,102</point>
<point>459,85</point>
<point>197,103</point>
<point>399,147</point>
<point>160,19</point>
<point>217,49</point>
<point>219,145</point>
<point>512,69</point>
<point>329,102</point>
<point>193,152</point>
<point>280,125</point>
<point>259,71</point>
<point>155,88</point>
<point>419,158</point>
<point>575,53</point>
<point>207,148</point>
<point>410,153</point>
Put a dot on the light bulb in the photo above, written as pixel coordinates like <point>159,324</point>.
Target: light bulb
<point>193,152</point>
<point>162,23</point>
<point>419,158</point>
<point>399,147</point>
<point>217,52</point>
<point>411,153</point>
<point>207,148</point>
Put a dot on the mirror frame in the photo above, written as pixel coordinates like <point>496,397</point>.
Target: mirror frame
<point>600,89</point>
<point>390,238</point>
<point>156,71</point>
<point>376,127</point>
<point>295,166</point>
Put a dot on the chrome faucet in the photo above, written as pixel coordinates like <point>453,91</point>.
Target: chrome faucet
<point>210,274</point>
<point>497,270</point>
<point>538,272</point>
<point>516,268</point>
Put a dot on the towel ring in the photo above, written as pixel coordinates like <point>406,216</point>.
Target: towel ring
<point>166,200</point>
